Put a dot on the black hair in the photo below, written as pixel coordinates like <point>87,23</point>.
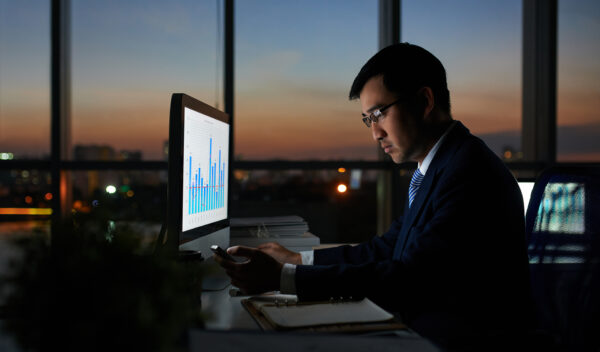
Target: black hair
<point>406,68</point>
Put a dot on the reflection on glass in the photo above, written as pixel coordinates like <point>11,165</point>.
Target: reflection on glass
<point>562,209</point>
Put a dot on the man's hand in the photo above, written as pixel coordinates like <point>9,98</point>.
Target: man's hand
<point>260,273</point>
<point>280,253</point>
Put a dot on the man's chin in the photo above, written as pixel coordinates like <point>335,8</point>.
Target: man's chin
<point>398,158</point>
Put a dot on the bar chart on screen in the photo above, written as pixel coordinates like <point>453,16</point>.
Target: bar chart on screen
<point>205,171</point>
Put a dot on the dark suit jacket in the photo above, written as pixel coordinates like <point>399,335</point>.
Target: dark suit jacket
<point>454,264</point>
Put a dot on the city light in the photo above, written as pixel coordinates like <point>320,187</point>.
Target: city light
<point>110,189</point>
<point>341,170</point>
<point>6,156</point>
<point>48,196</point>
<point>25,211</point>
<point>341,188</point>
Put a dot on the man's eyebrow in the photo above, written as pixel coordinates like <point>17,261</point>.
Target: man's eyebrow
<point>374,107</point>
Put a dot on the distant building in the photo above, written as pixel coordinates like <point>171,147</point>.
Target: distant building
<point>94,152</point>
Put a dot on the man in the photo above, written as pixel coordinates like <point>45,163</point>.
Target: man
<point>454,266</point>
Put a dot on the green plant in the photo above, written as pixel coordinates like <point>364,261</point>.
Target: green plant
<point>96,287</point>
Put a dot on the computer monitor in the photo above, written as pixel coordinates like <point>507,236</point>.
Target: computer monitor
<point>199,173</point>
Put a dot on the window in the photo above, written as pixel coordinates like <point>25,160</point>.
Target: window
<point>479,44</point>
<point>578,83</point>
<point>128,57</point>
<point>24,79</point>
<point>339,205</point>
<point>295,63</point>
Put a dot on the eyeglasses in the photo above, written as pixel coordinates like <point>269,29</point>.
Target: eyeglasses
<point>378,114</point>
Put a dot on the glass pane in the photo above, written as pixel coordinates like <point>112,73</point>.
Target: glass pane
<point>25,202</point>
<point>295,63</point>
<point>578,105</point>
<point>121,195</point>
<point>128,57</point>
<point>479,43</point>
<point>24,79</point>
<point>334,213</point>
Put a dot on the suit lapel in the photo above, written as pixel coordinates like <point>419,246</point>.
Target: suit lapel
<point>444,154</point>
<point>415,209</point>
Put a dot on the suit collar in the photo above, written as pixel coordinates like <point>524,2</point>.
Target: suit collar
<point>439,162</point>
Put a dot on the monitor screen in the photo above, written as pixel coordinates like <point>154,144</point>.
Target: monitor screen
<point>198,192</point>
<point>205,169</point>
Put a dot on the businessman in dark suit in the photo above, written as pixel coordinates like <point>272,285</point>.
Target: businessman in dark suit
<point>454,265</point>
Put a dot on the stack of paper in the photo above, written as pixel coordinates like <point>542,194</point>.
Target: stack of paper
<point>274,226</point>
<point>289,231</point>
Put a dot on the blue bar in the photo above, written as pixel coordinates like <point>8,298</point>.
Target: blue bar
<point>219,183</point>
<point>199,188</point>
<point>215,186</point>
<point>190,188</point>
<point>201,194</point>
<point>195,189</point>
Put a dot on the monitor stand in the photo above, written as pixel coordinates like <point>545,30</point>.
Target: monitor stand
<point>214,277</point>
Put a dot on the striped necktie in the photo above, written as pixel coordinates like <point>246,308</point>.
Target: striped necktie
<point>415,182</point>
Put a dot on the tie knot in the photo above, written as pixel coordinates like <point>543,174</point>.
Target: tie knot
<point>416,179</point>
<point>415,182</point>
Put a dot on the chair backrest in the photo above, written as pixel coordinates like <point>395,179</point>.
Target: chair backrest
<point>563,223</point>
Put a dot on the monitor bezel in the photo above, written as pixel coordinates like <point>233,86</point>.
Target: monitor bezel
<point>175,236</point>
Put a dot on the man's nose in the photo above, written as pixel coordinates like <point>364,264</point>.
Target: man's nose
<point>377,132</point>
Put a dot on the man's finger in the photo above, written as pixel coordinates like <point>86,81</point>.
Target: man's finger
<point>242,251</point>
<point>266,245</point>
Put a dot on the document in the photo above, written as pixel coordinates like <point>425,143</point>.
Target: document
<point>283,312</point>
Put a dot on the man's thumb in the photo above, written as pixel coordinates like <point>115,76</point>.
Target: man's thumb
<point>241,251</point>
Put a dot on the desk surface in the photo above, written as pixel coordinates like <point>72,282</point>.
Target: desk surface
<point>224,313</point>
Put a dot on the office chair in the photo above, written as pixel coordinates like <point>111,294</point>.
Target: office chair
<point>563,229</point>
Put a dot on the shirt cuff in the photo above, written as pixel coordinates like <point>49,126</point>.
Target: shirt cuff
<point>308,257</point>
<point>287,285</point>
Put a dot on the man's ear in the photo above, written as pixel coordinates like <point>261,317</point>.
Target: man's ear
<point>426,101</point>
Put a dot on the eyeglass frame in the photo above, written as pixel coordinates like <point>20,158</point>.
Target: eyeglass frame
<point>374,116</point>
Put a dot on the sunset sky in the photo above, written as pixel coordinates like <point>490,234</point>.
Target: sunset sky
<point>295,62</point>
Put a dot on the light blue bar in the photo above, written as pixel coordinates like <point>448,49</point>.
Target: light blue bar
<point>202,194</point>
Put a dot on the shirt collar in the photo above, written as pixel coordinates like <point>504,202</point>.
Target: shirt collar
<point>427,161</point>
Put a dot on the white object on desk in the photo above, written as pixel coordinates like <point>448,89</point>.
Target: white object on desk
<point>303,315</point>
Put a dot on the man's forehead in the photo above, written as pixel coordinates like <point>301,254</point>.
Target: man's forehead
<point>374,94</point>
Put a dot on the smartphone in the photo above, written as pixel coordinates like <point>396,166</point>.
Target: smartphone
<point>222,253</point>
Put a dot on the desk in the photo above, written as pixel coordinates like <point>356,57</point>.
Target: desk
<point>229,327</point>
